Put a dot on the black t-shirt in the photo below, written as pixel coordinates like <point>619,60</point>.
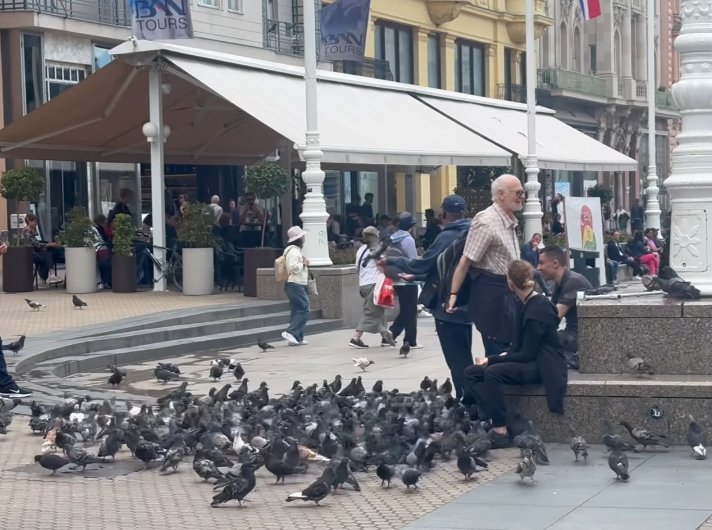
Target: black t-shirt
<point>565,294</point>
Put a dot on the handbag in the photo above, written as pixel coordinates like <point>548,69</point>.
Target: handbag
<point>311,285</point>
<point>383,294</point>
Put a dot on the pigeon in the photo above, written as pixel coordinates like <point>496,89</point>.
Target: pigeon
<point>174,455</point>
<point>362,362</point>
<point>350,389</point>
<point>165,375</point>
<point>264,346</point>
<point>425,384</point>
<point>386,474</point>
<point>34,305</point>
<point>527,467</point>
<point>639,366</point>
<point>377,387</point>
<point>466,464</point>
<point>336,384</point>
<point>216,370</point>
<point>52,461</point>
<point>404,349</point>
<point>530,439</point>
<point>78,302</point>
<point>122,371</point>
<point>238,372</point>
<point>318,490</point>
<point>239,487</point>
<point>579,446</point>
<point>115,378</point>
<point>147,452</point>
<point>16,346</point>
<point>674,286</point>
<point>643,437</point>
<point>446,387</point>
<point>618,462</point>
<point>81,458</point>
<point>410,478</point>
<point>697,440</point>
<point>170,367</point>
<point>614,441</point>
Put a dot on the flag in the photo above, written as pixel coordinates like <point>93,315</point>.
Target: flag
<point>590,8</point>
<point>344,26</point>
<point>161,19</point>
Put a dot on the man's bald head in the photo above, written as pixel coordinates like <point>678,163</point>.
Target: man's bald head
<point>507,191</point>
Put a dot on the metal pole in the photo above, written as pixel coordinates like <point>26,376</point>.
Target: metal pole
<point>314,215</point>
<point>532,207</point>
<point>652,206</point>
<point>155,102</point>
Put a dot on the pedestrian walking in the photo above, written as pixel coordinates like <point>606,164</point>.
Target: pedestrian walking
<point>296,287</point>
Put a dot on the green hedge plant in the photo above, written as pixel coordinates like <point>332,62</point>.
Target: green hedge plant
<point>21,184</point>
<point>124,235</point>
<point>267,181</point>
<point>78,230</point>
<point>195,229</point>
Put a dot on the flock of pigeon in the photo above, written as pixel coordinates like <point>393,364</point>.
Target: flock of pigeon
<point>77,303</point>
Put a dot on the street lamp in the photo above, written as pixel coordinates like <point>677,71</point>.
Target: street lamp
<point>314,215</point>
<point>532,207</point>
<point>652,206</point>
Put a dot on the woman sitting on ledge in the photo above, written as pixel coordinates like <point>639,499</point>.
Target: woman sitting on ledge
<point>535,357</point>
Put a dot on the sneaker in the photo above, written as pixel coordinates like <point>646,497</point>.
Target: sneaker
<point>499,441</point>
<point>388,338</point>
<point>54,279</point>
<point>386,344</point>
<point>358,344</point>
<point>290,338</point>
<point>303,342</point>
<point>416,347</point>
<point>15,392</point>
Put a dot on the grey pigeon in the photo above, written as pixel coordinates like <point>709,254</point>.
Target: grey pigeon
<point>264,346</point>
<point>466,464</point>
<point>216,371</point>
<point>579,446</point>
<point>644,437</point>
<point>34,305</point>
<point>52,461</point>
<point>618,462</point>
<point>238,372</point>
<point>531,440</point>
<point>238,488</point>
<point>614,441</point>
<point>386,474</point>
<point>165,375</point>
<point>527,467</point>
<point>318,490</point>
<point>404,349</point>
<point>639,366</point>
<point>115,378</point>
<point>697,440</point>
<point>411,478</point>
<point>78,302</point>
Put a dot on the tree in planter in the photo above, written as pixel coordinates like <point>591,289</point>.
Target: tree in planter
<point>600,191</point>
<point>23,184</point>
<point>124,235</point>
<point>78,230</point>
<point>267,181</point>
<point>195,229</point>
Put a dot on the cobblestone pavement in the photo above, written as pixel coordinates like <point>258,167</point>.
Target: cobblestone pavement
<point>16,317</point>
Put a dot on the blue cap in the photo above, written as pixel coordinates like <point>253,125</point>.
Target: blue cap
<point>406,221</point>
<point>454,204</point>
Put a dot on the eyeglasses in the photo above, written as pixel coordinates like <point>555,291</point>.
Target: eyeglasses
<point>518,193</point>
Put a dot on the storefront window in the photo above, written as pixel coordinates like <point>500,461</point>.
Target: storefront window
<point>368,183</point>
<point>112,179</point>
<point>332,192</point>
<point>67,189</point>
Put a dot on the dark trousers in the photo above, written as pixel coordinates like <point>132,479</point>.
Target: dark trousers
<point>44,261</point>
<point>493,347</point>
<point>633,264</point>
<point>456,343</point>
<point>5,380</point>
<point>251,238</point>
<point>407,318</point>
<point>569,342</point>
<point>487,385</point>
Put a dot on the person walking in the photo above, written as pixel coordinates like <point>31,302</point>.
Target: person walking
<point>296,287</point>
<point>490,247</point>
<point>373,317</point>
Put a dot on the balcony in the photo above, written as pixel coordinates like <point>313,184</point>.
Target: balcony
<point>111,12</point>
<point>374,68</point>
<point>512,92</point>
<point>558,79</point>
<point>284,37</point>
<point>663,100</point>
<point>641,89</point>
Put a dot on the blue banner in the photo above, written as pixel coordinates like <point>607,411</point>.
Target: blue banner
<point>161,19</point>
<point>344,26</point>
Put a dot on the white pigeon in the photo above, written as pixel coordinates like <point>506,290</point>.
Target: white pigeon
<point>34,305</point>
<point>362,362</point>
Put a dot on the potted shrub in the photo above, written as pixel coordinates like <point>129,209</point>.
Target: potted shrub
<point>123,261</point>
<point>80,239</point>
<point>16,185</point>
<point>266,181</point>
<point>198,241</point>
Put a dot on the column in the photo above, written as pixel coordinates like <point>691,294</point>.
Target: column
<point>494,68</point>
<point>420,56</point>
<point>626,59</point>
<point>370,50</point>
<point>399,178</point>
<point>285,161</point>
<point>516,70</point>
<point>605,30</point>
<point>422,196</point>
<point>155,133</point>
<point>447,62</point>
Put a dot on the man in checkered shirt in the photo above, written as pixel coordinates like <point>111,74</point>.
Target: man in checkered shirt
<point>490,247</point>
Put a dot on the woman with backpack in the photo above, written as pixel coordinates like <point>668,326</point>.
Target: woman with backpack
<point>296,287</point>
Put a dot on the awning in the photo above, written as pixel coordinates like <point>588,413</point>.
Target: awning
<point>558,145</point>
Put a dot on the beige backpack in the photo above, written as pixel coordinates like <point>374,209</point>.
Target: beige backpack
<point>281,271</point>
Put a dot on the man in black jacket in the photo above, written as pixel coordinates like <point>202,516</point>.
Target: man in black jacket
<point>615,253</point>
<point>454,329</point>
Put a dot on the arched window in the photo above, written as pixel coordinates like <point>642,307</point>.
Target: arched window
<point>564,47</point>
<point>578,52</point>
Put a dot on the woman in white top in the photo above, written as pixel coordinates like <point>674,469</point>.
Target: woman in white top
<point>296,287</point>
<point>373,317</point>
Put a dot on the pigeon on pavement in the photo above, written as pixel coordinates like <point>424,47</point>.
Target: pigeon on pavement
<point>697,439</point>
<point>78,302</point>
<point>527,467</point>
<point>264,346</point>
<point>362,362</point>
<point>34,305</point>
<point>618,462</point>
<point>404,350</point>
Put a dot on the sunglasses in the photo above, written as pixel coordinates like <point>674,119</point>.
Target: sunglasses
<point>518,193</point>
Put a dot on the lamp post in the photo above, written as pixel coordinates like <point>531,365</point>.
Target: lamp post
<point>314,215</point>
<point>652,206</point>
<point>532,207</point>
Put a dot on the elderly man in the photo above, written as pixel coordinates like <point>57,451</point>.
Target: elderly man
<point>215,207</point>
<point>491,245</point>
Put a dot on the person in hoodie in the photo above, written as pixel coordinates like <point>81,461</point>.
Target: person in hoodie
<point>454,329</point>
<point>406,291</point>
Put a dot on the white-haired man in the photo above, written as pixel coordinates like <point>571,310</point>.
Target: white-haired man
<point>215,207</point>
<point>491,246</point>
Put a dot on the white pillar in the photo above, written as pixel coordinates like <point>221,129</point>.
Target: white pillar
<point>155,101</point>
<point>532,207</point>
<point>690,184</point>
<point>314,215</point>
<point>652,207</point>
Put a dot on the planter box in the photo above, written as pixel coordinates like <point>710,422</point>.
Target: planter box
<point>123,274</point>
<point>257,258</point>
<point>198,271</point>
<point>81,277</point>
<point>17,268</point>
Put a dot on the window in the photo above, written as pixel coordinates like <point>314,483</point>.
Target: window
<point>101,57</point>
<point>592,54</point>
<point>470,68</point>
<point>32,69</point>
<point>434,61</point>
<point>395,45</point>
<point>60,78</point>
<point>234,5</point>
<point>578,63</point>
<point>209,3</point>
<point>564,47</point>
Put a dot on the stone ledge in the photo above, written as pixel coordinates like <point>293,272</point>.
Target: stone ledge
<point>643,307</point>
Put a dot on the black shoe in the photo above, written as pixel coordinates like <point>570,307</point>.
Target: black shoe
<point>15,392</point>
<point>358,344</point>
<point>386,344</point>
<point>499,441</point>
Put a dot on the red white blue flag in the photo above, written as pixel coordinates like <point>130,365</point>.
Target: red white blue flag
<point>590,8</point>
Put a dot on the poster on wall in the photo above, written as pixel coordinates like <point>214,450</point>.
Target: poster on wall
<point>584,228</point>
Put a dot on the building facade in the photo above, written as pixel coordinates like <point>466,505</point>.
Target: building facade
<point>594,74</point>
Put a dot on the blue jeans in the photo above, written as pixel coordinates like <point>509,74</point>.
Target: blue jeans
<point>5,380</point>
<point>612,267</point>
<point>299,302</point>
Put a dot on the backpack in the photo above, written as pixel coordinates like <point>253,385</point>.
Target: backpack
<point>281,271</point>
<point>392,252</point>
<point>447,264</point>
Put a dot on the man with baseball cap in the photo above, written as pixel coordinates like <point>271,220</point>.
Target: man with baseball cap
<point>454,329</point>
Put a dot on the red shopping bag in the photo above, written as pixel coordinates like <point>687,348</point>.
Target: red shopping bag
<point>383,294</point>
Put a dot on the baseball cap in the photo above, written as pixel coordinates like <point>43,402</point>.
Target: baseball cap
<point>371,231</point>
<point>454,204</point>
<point>406,221</point>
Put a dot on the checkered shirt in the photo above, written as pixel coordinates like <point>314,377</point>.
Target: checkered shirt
<point>492,240</point>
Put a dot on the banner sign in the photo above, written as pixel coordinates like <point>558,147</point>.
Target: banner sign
<point>161,19</point>
<point>344,26</point>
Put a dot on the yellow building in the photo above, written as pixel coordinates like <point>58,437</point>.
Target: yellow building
<point>475,47</point>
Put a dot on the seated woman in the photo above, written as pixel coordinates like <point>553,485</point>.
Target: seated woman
<point>534,358</point>
<point>639,249</point>
<point>43,256</point>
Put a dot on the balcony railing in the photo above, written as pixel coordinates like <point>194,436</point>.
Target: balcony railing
<point>641,89</point>
<point>663,100</point>
<point>512,92</point>
<point>375,68</point>
<point>556,78</point>
<point>113,12</point>
<point>284,37</point>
